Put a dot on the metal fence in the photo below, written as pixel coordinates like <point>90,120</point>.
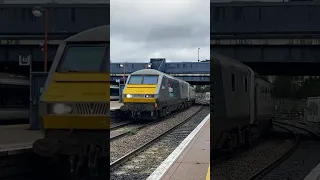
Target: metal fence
<point>201,99</point>
<point>290,109</point>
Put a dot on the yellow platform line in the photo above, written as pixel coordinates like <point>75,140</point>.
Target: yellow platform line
<point>208,173</point>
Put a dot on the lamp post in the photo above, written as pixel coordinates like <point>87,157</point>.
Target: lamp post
<point>124,72</point>
<point>38,11</point>
<point>198,54</point>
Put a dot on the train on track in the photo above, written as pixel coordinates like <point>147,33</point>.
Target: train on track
<point>149,94</point>
<point>14,97</point>
<point>242,105</point>
<point>114,93</point>
<point>75,104</point>
<point>207,98</point>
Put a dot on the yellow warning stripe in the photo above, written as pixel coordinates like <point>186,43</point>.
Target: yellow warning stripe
<point>208,173</point>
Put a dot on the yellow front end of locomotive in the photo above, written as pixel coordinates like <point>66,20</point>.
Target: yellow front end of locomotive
<point>136,93</point>
<point>77,101</point>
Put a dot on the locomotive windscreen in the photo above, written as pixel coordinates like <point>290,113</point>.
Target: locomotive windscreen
<point>139,79</point>
<point>84,58</point>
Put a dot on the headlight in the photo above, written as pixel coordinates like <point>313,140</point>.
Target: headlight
<point>61,109</point>
<point>128,96</point>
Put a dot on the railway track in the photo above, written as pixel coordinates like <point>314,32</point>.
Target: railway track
<point>117,163</point>
<point>274,164</point>
<point>119,125</point>
<point>16,171</point>
<point>263,172</point>
<point>117,133</point>
<point>124,129</point>
<point>285,145</point>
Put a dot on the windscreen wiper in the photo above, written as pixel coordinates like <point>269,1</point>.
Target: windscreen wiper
<point>71,70</point>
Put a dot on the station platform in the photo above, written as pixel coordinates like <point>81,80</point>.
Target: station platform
<point>115,105</point>
<point>16,139</point>
<point>191,159</point>
<point>14,113</point>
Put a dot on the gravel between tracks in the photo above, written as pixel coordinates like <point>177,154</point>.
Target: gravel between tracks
<point>311,126</point>
<point>141,166</point>
<point>115,121</point>
<point>122,130</point>
<point>300,163</point>
<point>122,146</point>
<point>246,164</point>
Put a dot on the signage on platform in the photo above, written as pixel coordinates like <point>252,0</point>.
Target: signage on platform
<point>24,60</point>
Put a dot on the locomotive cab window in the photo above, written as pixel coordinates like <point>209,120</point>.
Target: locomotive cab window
<point>84,58</point>
<point>233,82</point>
<point>138,79</point>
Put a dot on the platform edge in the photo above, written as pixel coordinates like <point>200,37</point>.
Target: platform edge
<point>167,163</point>
<point>314,174</point>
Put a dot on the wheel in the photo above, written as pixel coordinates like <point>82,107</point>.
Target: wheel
<point>155,115</point>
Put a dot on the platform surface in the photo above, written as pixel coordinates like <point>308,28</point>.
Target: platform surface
<point>115,105</point>
<point>17,137</point>
<point>190,160</point>
<point>14,113</point>
<point>314,174</point>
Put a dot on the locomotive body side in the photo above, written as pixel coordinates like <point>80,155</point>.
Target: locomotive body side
<point>232,103</point>
<point>192,94</point>
<point>264,103</point>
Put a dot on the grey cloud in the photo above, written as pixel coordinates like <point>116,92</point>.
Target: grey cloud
<point>170,29</point>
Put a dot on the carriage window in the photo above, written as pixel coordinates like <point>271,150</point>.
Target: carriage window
<point>233,83</point>
<point>245,84</point>
<point>84,58</point>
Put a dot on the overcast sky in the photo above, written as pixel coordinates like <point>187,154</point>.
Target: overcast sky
<point>172,29</point>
